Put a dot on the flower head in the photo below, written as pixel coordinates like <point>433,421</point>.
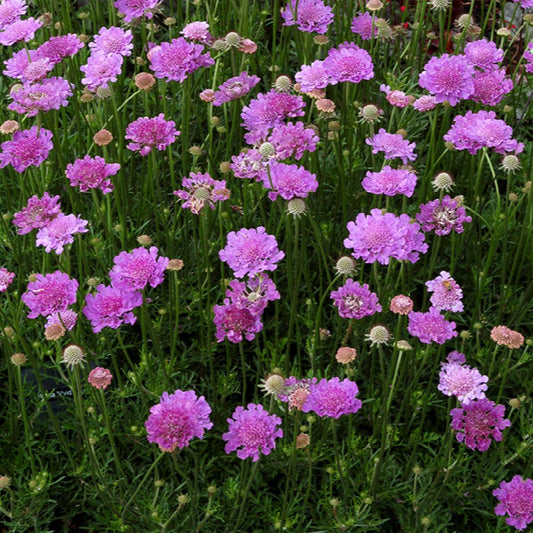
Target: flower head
<point>447,294</point>
<point>43,95</point>
<point>132,9</point>
<point>197,31</point>
<point>345,355</point>
<point>516,500</point>
<point>67,319</point>
<point>393,145</point>
<point>60,231</point>
<point>490,87</point>
<point>312,77</point>
<point>311,16</point>
<point>250,251</point>
<point>252,432</point>
<point>138,268</point>
<point>443,216</point>
<point>113,40</point>
<point>100,70</point>
<point>378,335</point>
<point>477,421</point>
<point>235,88</point>
<point>58,48</point>
<point>92,173</point>
<point>390,182</point>
<point>254,294</point>
<point>73,355</point>
<point>11,11</point>
<point>100,378</point>
<point>201,190</point>
<point>50,293</point>
<point>37,213</point>
<point>6,279</point>
<point>177,419</point>
<point>354,300</point>
<point>19,30</point>
<point>235,322</point>
<point>401,305</point>
<point>292,140</point>
<point>332,398</point>
<point>463,382</point>
<point>350,63</point>
<point>503,336</point>
<point>27,148</point>
<point>289,181</point>
<point>363,26</point>
<point>147,133</point>
<point>431,327</point>
<point>483,54</point>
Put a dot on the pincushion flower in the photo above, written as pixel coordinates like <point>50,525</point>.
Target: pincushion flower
<point>443,216</point>
<point>312,77</point>
<point>235,88</point>
<point>137,8</point>
<point>528,56</point>
<point>6,278</point>
<point>504,336</point>
<point>289,181</point>
<point>483,54</point>
<point>177,419</point>
<point>100,378</point>
<point>148,133</point>
<point>201,190</point>
<point>111,307</point>
<point>27,148</point>
<point>477,421</point>
<point>249,164</point>
<point>138,268</point>
<point>66,319</point>
<point>431,327</point>
<point>354,300</point>
<point>113,40</point>
<point>11,11</point>
<point>463,382</point>
<point>252,432</point>
<point>254,294</point>
<point>296,391</point>
<point>37,213</point>
<point>92,173</point>
<point>311,16</point>
<point>401,304</point>
<point>393,145</point>
<point>292,140</point>
<point>378,237</point>
<point>449,78</point>
<point>50,293</point>
<point>332,398</point>
<point>516,501</point>
<point>235,322</point>
<point>350,63</point>
<point>174,61</point>
<point>490,87</point>
<point>19,30</point>
<point>197,31</point>
<point>250,251</point>
<point>60,231</point>
<point>58,48</point>
<point>447,294</point>
<point>100,70</point>
<point>390,182</point>
<point>44,95</point>
<point>362,25</point>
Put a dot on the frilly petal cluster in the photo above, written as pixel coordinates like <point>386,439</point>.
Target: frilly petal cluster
<point>200,190</point>
<point>332,398</point>
<point>443,216</point>
<point>463,382</point>
<point>235,88</point>
<point>289,181</point>
<point>91,173</point>
<point>431,327</point>
<point>148,133</point>
<point>390,182</point>
<point>354,300</point>
<point>311,16</point>
<point>516,500</point>
<point>43,95</point>
<point>60,231</point>
<point>27,148</point>
<point>447,293</point>
<point>132,9</point>
<point>37,213</point>
<point>292,140</point>
<point>350,63</point>
<point>393,145</point>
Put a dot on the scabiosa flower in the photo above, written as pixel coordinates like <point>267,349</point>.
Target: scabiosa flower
<point>378,237</point>
<point>456,357</point>
<point>249,164</point>
<point>401,305</point>
<point>148,133</point>
<point>235,322</point>
<point>449,78</point>
<point>138,268</point>
<point>332,398</point>
<point>177,418</point>
<point>235,88</point>
<point>392,145</point>
<point>200,190</point>
<point>516,500</point>
<point>60,231</point>
<point>100,70</point>
<point>289,181</point>
<point>463,382</point>
<point>483,54</point>
<point>362,25</point>
<point>425,103</point>
<point>443,216</point>
<point>378,335</point>
<point>91,173</point>
<point>111,307</point>
<point>252,432</point>
<point>11,11</point>
<point>528,56</point>
<point>250,251</point>
<point>447,294</point>
<point>292,140</point>
<point>67,319</point>
<point>100,378</point>
<point>17,64</point>
<point>58,48</point>
<point>345,355</point>
<point>296,392</point>
<point>254,294</point>
<point>311,16</point>
<point>37,69</point>
<point>37,213</point>
<point>503,336</point>
<point>354,300</point>
<point>137,8</point>
<point>27,148</point>
<point>312,77</point>
<point>113,40</point>
<point>73,355</point>
<point>524,3</point>
<point>20,30</point>
<point>350,63</point>
<point>390,182</point>
<point>442,182</point>
<point>6,279</point>
<point>177,59</point>
<point>44,95</point>
<point>490,87</point>
<point>268,111</point>
<point>474,131</point>
<point>395,98</point>
<point>431,327</point>
<point>50,293</point>
<point>197,31</point>
<point>477,421</point>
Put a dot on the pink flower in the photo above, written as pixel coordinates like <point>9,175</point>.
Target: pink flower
<point>490,87</point>
<point>44,95</point>
<point>100,378</point>
<point>354,300</point>
<point>20,30</point>
<point>113,41</point>
<point>332,398</point>
<point>483,54</point>
<point>28,148</point>
<point>234,322</point>
<point>350,63</point>
<point>197,31</point>
<point>67,319</point>
<point>516,499</point>
<point>390,182</point>
<point>363,26</point>
<point>392,145</point>
<point>292,140</point>
<point>401,305</point>
<point>477,421</point>
<point>395,98</point>
<point>443,216</point>
<point>201,190</point>
<point>463,382</point>
<point>254,294</point>
<point>100,70</point>
<point>250,251</point>
<point>60,231</point>
<point>177,419</point>
<point>58,48</point>
<point>148,133</point>
<point>235,88</point>
<point>314,76</point>
<point>11,11</point>
<point>6,279</point>
<point>289,181</point>
<point>140,267</point>
<point>503,336</point>
<point>137,8</point>
<point>431,327</point>
<point>252,432</point>
<point>37,213</point>
<point>311,16</point>
<point>447,294</point>
<point>249,164</point>
<point>50,293</point>
<point>425,103</point>
<point>91,173</point>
